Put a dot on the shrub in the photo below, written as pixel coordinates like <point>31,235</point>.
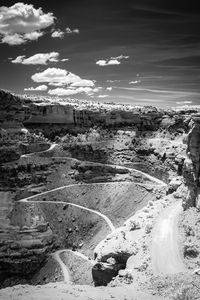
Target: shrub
<point>8,154</point>
<point>184,293</point>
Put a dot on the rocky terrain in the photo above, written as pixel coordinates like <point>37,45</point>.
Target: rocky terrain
<point>92,195</point>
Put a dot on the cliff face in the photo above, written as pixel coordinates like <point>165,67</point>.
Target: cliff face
<point>17,111</point>
<point>12,110</point>
<point>191,170</point>
<point>25,237</point>
<point>50,114</point>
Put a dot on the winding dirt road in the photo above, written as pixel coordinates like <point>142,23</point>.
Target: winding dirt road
<point>108,221</point>
<point>165,250</point>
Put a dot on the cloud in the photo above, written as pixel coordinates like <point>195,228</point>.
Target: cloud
<point>33,35</point>
<point>120,57</point>
<point>18,39</point>
<point>37,59</point>
<point>66,82</point>
<point>83,82</point>
<point>135,81</point>
<point>110,62</point>
<point>38,88</point>
<point>184,102</point>
<point>114,60</point>
<point>21,22</point>
<point>65,59</point>
<point>113,80</point>
<point>103,96</point>
<point>71,31</point>
<point>56,76</point>
<point>62,92</point>
<point>71,91</point>
<point>109,88</point>
<point>58,34</point>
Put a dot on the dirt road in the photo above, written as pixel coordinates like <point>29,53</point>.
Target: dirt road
<point>166,256</point>
<point>65,271</point>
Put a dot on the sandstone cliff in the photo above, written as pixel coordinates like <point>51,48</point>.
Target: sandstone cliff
<point>15,110</point>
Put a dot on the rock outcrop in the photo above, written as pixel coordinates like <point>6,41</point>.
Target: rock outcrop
<point>25,238</point>
<point>18,110</point>
<point>103,272</point>
<point>191,169</point>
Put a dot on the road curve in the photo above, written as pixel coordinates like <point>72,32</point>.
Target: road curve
<point>108,221</point>
<point>64,268</point>
<point>43,151</point>
<point>65,271</point>
<point>81,255</point>
<point>165,250</point>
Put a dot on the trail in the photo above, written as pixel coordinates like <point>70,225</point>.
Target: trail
<point>158,181</point>
<point>165,251</point>
<point>64,268</point>
<point>66,274</point>
<point>108,221</point>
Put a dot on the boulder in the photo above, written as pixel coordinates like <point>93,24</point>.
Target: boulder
<point>103,272</point>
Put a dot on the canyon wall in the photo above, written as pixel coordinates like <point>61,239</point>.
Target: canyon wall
<point>16,111</point>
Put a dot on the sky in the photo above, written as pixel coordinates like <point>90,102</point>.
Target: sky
<point>141,52</point>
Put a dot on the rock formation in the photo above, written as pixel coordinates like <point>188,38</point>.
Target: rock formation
<point>191,169</point>
<point>24,110</point>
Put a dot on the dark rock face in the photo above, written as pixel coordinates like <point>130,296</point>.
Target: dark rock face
<point>91,172</point>
<point>191,169</point>
<point>103,273</point>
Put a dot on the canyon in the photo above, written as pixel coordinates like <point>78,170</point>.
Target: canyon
<point>98,200</point>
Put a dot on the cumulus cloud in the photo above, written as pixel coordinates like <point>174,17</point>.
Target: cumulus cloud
<point>71,31</point>
<point>66,82</point>
<point>21,22</point>
<point>109,88</point>
<point>114,60</point>
<point>37,59</point>
<point>38,88</point>
<point>65,59</point>
<point>14,39</point>
<point>56,76</point>
<point>58,34</point>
